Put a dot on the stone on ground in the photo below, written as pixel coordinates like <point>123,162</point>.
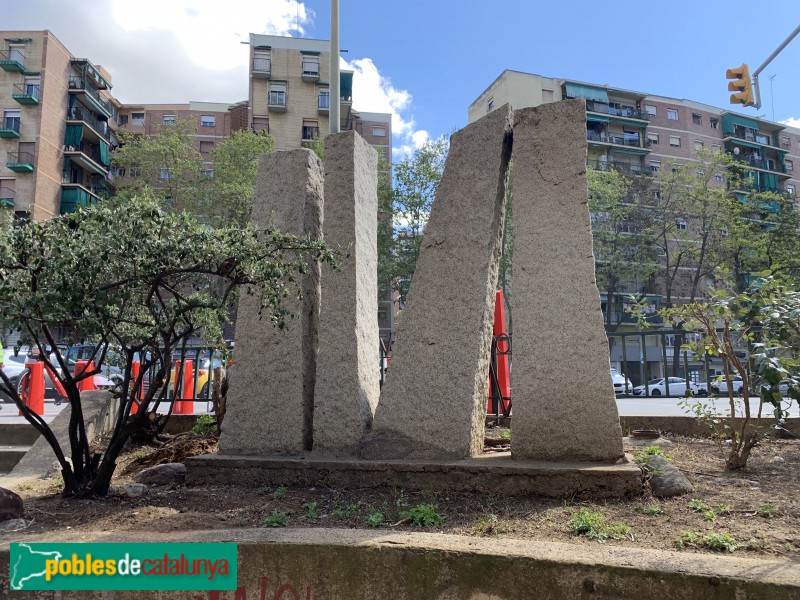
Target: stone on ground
<point>11,506</point>
<point>666,480</point>
<point>164,474</point>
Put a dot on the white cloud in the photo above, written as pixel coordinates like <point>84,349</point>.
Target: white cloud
<point>792,122</point>
<point>373,92</point>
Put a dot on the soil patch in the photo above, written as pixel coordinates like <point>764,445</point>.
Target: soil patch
<point>758,508</point>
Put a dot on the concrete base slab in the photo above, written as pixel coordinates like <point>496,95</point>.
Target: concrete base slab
<point>496,473</point>
<point>379,564</point>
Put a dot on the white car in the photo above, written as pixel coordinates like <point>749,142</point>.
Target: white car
<point>721,386</point>
<point>619,380</point>
<point>677,387</point>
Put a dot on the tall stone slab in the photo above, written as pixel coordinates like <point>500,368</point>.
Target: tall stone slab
<point>347,387</point>
<point>433,403</point>
<point>563,400</point>
<point>271,397</point>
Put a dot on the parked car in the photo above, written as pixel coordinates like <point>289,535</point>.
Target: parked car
<point>677,387</point>
<point>622,385</point>
<point>720,386</point>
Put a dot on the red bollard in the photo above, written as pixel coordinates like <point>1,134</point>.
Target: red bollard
<point>33,388</point>
<point>135,370</point>
<point>184,405</point>
<point>503,371</point>
<point>88,384</point>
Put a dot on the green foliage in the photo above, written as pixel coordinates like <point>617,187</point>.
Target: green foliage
<point>312,510</point>
<point>715,541</point>
<point>593,525</point>
<point>205,425</point>
<point>505,434</point>
<point>276,519</point>
<point>280,492</point>
<point>133,275</point>
<point>345,510</point>
<point>652,510</point>
<point>376,518</point>
<point>317,146</point>
<point>768,510</point>
<point>490,524</point>
<point>423,515</point>
<point>644,456</point>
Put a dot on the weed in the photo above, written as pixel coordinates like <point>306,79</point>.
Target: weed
<point>205,425</point>
<point>57,484</point>
<point>650,509</point>
<point>240,522</point>
<point>768,510</point>
<point>25,486</point>
<point>138,454</point>
<point>594,526</point>
<point>312,510</point>
<point>698,505</point>
<point>486,524</point>
<point>709,515</point>
<point>423,515</point>
<point>280,492</point>
<point>505,434</point>
<point>720,542</point>
<point>276,519</point>
<point>345,510</point>
<point>376,518</point>
<point>263,490</point>
<point>687,538</point>
<point>723,509</point>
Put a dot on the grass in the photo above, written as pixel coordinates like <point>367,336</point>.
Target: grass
<point>710,513</point>
<point>312,510</point>
<point>489,524</point>
<point>205,425</point>
<point>593,525</point>
<point>280,492</point>
<point>376,518</point>
<point>276,519</point>
<point>715,541</point>
<point>650,509</point>
<point>423,515</point>
<point>345,510</point>
<point>768,511</point>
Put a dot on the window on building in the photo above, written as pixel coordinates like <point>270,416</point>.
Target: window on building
<point>789,165</point>
<point>698,145</point>
<point>277,95</point>
<point>672,114</point>
<point>261,124</point>
<point>311,65</point>
<point>164,174</point>
<point>310,129</point>
<point>379,131</point>
<point>674,140</point>
<point>655,166</point>
<point>723,230</point>
<point>32,85</point>
<point>676,167</point>
<point>11,119</point>
<point>652,138</point>
<point>547,96</point>
<point>169,120</point>
<point>261,61</point>
<point>137,118</point>
<point>324,99</point>
<point>120,171</point>
<point>134,172</point>
<point>16,52</point>
<point>697,119</point>
<point>122,119</point>
<point>714,123</point>
<point>656,194</point>
<point>207,173</point>
<point>719,178</point>
<point>716,148</point>
<point>208,121</point>
<point>790,189</point>
<point>785,142</point>
<point>206,147</point>
<point>650,110</point>
<point>490,104</point>
<point>681,223</point>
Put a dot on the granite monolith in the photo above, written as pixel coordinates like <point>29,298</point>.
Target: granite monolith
<point>564,406</point>
<point>347,386</point>
<point>433,403</point>
<point>271,396</point>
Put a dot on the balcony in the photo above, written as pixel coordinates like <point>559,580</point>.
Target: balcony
<point>277,101</point>
<point>615,139</point>
<point>7,197</point>
<point>623,113</point>
<point>770,165</point>
<point>262,68</point>
<point>12,61</point>
<point>324,104</point>
<point>310,70</point>
<point>78,85</point>
<point>310,133</point>
<point>20,162</point>
<point>87,156</point>
<point>75,196</point>
<point>26,93</point>
<point>10,127</point>
<point>754,137</point>
<point>621,167</point>
<point>100,128</point>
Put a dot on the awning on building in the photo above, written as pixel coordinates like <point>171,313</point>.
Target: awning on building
<point>576,90</point>
<point>596,118</point>
<point>104,153</point>
<point>346,84</point>
<point>74,134</point>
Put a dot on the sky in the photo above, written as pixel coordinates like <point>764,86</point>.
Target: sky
<point>425,61</point>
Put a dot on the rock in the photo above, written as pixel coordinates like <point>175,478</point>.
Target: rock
<point>162,474</point>
<point>13,525</point>
<point>665,479</point>
<point>134,490</point>
<point>777,459</point>
<point>659,441</point>
<point>10,505</point>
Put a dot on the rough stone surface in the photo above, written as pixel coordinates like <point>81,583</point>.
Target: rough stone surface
<point>11,525</point>
<point>10,505</point>
<point>271,399</point>
<point>347,386</point>
<point>133,490</point>
<point>558,325</point>
<point>666,480</point>
<point>162,474</point>
<point>433,403</point>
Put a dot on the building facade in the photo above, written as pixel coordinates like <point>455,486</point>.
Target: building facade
<point>641,134</point>
<point>57,129</point>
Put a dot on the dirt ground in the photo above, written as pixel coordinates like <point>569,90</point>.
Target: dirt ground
<point>759,508</point>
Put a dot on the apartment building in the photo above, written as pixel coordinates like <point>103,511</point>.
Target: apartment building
<point>57,127</point>
<point>640,134</point>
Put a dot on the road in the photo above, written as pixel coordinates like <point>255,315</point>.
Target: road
<point>628,407</point>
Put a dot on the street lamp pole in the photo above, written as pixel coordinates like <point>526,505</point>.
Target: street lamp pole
<point>336,95</point>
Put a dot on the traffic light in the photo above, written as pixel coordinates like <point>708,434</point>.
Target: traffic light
<point>741,84</point>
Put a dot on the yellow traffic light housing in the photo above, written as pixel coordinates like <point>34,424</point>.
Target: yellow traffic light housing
<point>741,84</point>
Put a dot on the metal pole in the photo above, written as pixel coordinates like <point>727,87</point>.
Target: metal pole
<point>769,60</point>
<point>336,95</point>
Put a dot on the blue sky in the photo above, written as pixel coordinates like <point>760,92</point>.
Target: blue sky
<point>426,61</point>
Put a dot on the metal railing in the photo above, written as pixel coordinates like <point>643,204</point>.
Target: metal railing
<point>603,108</point>
<point>81,114</point>
<point>758,138</point>
<point>20,158</point>
<point>619,140</point>
<point>11,123</point>
<point>623,167</point>
<point>7,193</point>
<point>13,56</point>
<point>760,163</point>
<point>277,99</point>
<point>78,83</point>
<point>26,89</point>
<point>87,149</point>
